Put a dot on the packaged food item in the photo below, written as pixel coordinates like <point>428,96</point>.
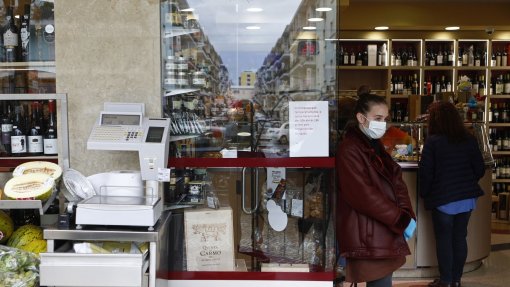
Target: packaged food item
<point>18,268</point>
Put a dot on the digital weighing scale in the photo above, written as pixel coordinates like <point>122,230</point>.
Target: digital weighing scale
<point>123,127</point>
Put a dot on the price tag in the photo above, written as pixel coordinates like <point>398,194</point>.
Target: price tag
<point>164,174</point>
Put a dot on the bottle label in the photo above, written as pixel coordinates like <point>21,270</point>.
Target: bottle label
<point>10,39</point>
<point>50,146</point>
<point>6,128</point>
<point>18,144</point>
<point>35,144</point>
<point>506,90</point>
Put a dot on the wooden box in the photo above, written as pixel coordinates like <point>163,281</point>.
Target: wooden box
<point>209,239</point>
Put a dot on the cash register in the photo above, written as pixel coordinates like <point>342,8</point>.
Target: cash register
<point>124,127</point>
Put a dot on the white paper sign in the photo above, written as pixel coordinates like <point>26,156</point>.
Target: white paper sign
<point>274,175</point>
<point>308,129</point>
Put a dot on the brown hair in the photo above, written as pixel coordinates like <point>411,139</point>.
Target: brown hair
<point>363,106</point>
<point>444,119</point>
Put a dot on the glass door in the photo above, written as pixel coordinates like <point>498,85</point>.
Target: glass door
<point>249,87</point>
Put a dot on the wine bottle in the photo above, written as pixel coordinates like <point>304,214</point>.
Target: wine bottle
<point>6,127</point>
<point>506,86</point>
<point>504,58</point>
<point>18,138</point>
<point>10,36</point>
<point>50,136</point>
<point>25,34</point>
<point>439,58</point>
<point>35,137</point>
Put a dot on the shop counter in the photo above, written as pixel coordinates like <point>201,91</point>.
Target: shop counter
<point>60,266</point>
<point>422,262</point>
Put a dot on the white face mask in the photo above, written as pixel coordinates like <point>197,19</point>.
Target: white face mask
<point>375,129</point>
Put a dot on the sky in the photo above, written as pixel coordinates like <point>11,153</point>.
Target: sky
<point>225,22</point>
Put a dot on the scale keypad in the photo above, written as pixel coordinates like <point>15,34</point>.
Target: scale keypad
<point>117,134</point>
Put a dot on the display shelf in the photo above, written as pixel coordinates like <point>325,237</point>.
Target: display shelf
<point>312,162</point>
<point>501,180</point>
<point>501,152</point>
<point>471,68</point>
<point>499,125</point>
<point>367,67</point>
<point>29,204</point>
<point>495,97</point>
<point>264,276</point>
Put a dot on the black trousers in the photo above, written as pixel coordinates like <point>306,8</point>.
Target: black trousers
<point>451,245</point>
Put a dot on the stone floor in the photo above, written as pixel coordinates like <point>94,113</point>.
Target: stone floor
<point>494,271</point>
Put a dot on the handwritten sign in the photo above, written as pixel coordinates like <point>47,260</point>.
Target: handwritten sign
<point>308,129</point>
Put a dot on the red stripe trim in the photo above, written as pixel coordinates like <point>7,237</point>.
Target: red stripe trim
<point>318,162</point>
<point>283,276</point>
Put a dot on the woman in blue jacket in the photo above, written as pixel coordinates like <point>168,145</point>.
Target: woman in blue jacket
<point>450,167</point>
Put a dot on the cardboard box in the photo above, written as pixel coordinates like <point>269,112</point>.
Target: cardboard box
<point>372,55</point>
<point>209,239</point>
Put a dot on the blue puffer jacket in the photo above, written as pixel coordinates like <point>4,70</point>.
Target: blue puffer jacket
<point>450,172</point>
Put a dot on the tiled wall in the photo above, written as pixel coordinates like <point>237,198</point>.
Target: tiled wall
<point>106,50</point>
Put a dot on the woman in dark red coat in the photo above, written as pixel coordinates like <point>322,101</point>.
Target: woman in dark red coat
<point>374,207</point>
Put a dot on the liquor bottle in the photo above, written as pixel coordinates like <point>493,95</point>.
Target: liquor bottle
<point>504,58</point>
<point>439,57</point>
<point>506,85</point>
<point>393,58</point>
<point>398,59</point>
<point>359,58</point>
<point>42,31</point>
<point>499,85</point>
<point>364,59</point>
<point>415,86</point>
<point>495,113</point>
<point>352,58</point>
<point>498,58</point>
<point>340,56</point>
<point>449,87</point>
<point>432,61</point>
<point>50,136</point>
<point>460,57</point>
<point>392,85</point>
<point>427,58</point>
<point>346,58</point>
<point>24,35</point>
<point>491,112</point>
<point>6,127</point>
<point>384,55</point>
<point>10,36</point>
<point>470,56</point>
<point>493,59</point>
<point>450,57</point>
<point>404,56</point>
<point>481,86</point>
<point>35,136</point>
<point>478,59</point>
<point>18,138</point>
<point>443,84</point>
<point>506,142</point>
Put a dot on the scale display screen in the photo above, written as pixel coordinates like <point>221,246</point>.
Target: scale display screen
<point>155,135</point>
<point>120,120</point>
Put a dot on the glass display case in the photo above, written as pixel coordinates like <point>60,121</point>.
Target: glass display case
<point>250,91</point>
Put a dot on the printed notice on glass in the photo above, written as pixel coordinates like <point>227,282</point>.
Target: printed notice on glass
<point>308,129</point>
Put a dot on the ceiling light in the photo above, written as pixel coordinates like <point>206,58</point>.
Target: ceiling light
<point>252,27</point>
<point>315,19</point>
<point>452,28</point>
<point>309,28</point>
<point>188,10</point>
<point>379,28</point>
<point>254,9</point>
<point>323,9</point>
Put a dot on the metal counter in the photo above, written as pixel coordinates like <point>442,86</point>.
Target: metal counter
<point>63,268</point>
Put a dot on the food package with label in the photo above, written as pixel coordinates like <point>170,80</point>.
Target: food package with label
<point>111,247</point>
